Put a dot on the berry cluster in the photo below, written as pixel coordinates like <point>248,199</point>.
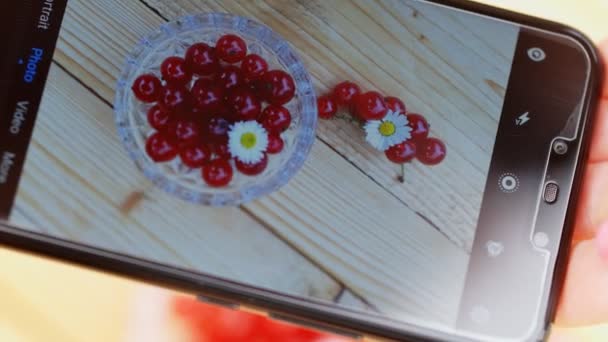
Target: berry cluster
<point>389,127</point>
<point>214,323</point>
<point>217,107</point>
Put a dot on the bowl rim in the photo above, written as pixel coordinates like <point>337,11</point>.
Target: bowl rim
<point>269,39</point>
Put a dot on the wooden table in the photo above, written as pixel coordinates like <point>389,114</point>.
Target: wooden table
<point>343,229</point>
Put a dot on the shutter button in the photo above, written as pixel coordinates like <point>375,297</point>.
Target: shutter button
<point>551,192</point>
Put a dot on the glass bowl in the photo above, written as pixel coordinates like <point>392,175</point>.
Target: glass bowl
<point>173,39</point>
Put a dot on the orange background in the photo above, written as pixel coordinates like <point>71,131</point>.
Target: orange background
<point>49,301</point>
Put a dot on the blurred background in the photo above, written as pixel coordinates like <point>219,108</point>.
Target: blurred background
<point>42,300</point>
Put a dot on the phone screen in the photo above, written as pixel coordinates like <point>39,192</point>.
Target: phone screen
<point>390,207</point>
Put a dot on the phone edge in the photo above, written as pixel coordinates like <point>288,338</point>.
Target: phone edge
<point>159,274</point>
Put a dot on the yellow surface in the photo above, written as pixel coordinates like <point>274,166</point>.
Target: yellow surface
<point>48,301</point>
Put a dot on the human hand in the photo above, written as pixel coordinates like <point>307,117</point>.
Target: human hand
<point>584,300</point>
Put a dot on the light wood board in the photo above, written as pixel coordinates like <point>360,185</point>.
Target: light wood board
<point>343,223</point>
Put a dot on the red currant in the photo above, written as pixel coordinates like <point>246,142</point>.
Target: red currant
<point>327,107</point>
<point>253,169</point>
<point>208,99</point>
<point>370,106</point>
<point>196,156</point>
<point>202,60</point>
<point>345,92</point>
<point>277,87</point>
<point>217,129</point>
<point>158,118</point>
<point>221,151</point>
<point>175,72</point>
<point>275,144</point>
<point>419,125</point>
<point>243,103</point>
<point>217,173</point>
<point>395,105</point>
<point>276,119</point>
<point>231,48</point>
<point>160,149</point>
<point>147,88</point>
<point>230,77</point>
<point>253,67</point>
<point>175,99</point>
<point>402,153</point>
<point>183,133</point>
<point>431,151</point>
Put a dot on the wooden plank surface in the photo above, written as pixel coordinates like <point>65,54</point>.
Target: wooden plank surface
<point>457,83</point>
<point>340,223</point>
<point>87,180</point>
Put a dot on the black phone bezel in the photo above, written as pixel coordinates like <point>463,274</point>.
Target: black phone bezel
<point>307,311</point>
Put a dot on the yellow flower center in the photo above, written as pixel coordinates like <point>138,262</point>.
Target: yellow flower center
<point>248,140</point>
<point>387,128</point>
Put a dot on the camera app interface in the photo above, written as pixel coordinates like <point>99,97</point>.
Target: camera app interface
<point>334,150</point>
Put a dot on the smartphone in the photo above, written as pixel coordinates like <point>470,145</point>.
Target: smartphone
<point>472,248</point>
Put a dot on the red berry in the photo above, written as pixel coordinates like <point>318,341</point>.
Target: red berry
<point>345,92</point>
<point>221,151</point>
<point>419,125</point>
<point>253,169</point>
<point>217,129</point>
<point>244,104</point>
<point>183,133</point>
<point>327,107</point>
<point>208,99</point>
<point>253,67</point>
<point>395,105</point>
<point>231,48</point>
<point>230,77</point>
<point>217,173</point>
<point>277,87</point>
<point>158,118</point>
<point>276,119</point>
<point>431,151</point>
<point>370,106</point>
<point>201,59</point>
<point>175,72</point>
<point>275,144</point>
<point>402,153</point>
<point>160,149</point>
<point>196,156</point>
<point>175,99</point>
<point>147,88</point>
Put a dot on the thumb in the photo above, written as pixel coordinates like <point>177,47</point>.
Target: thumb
<point>584,299</point>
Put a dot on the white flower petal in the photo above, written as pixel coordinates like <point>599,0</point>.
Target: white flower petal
<point>382,143</point>
<point>252,154</point>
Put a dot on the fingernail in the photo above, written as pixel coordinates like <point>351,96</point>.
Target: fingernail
<point>602,241</point>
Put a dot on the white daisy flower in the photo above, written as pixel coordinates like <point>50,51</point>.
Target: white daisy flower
<point>393,129</point>
<point>248,141</point>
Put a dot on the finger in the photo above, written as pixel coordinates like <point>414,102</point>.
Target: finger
<point>584,300</point>
<point>599,145</point>
<point>604,55</point>
<point>599,139</point>
<point>559,334</point>
<point>593,204</point>
<point>587,334</point>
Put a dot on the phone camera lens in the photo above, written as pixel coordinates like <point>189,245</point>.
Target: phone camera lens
<point>537,54</point>
<point>560,147</point>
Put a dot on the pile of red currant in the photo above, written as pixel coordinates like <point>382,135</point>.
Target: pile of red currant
<point>200,96</point>
<point>214,323</point>
<point>373,106</point>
